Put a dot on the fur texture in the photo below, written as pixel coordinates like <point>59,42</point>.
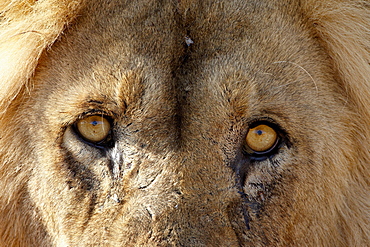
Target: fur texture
<point>182,82</point>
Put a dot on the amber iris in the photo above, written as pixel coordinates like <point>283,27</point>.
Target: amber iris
<point>261,138</point>
<point>93,128</point>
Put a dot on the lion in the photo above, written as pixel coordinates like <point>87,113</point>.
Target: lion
<point>185,123</point>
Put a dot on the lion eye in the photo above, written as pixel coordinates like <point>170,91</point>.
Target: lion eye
<point>261,139</point>
<point>93,128</point>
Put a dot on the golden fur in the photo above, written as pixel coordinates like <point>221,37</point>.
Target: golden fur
<point>183,81</point>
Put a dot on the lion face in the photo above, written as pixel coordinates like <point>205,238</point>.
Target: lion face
<point>162,123</point>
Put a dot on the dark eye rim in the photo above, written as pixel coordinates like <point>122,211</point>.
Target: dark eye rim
<point>106,143</point>
<point>271,152</point>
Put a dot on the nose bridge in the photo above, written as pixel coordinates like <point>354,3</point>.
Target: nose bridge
<point>194,204</point>
<point>183,197</point>
<point>208,207</point>
<point>205,209</point>
<point>209,191</point>
<point>179,186</point>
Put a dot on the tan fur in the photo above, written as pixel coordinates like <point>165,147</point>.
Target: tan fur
<point>183,81</point>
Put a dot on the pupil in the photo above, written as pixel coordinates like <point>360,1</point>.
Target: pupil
<point>94,123</point>
<point>259,132</point>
